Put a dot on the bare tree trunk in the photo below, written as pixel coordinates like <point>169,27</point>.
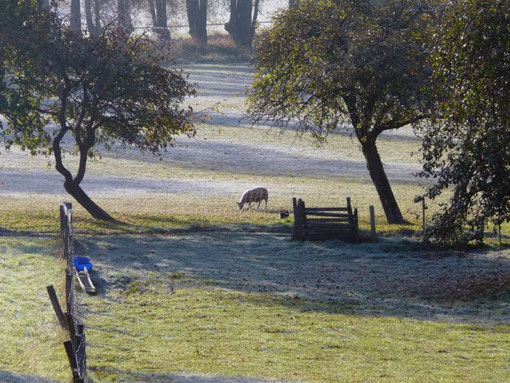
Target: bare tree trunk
<point>197,19</point>
<point>97,15</point>
<point>124,16</point>
<point>239,25</point>
<point>84,200</point>
<point>255,16</point>
<point>162,20</point>
<point>76,16</point>
<point>382,185</point>
<point>152,9</point>
<point>93,30</point>
<point>71,185</point>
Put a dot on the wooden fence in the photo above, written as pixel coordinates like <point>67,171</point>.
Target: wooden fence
<point>322,223</point>
<point>76,346</point>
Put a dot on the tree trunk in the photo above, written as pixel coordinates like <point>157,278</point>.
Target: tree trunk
<point>240,24</point>
<point>76,16</point>
<point>197,19</point>
<point>88,16</point>
<point>71,185</point>
<point>84,200</point>
<point>124,16</point>
<point>382,185</point>
<point>255,17</point>
<point>152,9</point>
<point>162,20</point>
<point>97,15</point>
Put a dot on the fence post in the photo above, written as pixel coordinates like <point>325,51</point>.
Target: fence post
<point>69,291</point>
<point>423,208</point>
<point>299,212</point>
<point>373,233</point>
<point>349,210</point>
<point>56,306</point>
<point>356,228</point>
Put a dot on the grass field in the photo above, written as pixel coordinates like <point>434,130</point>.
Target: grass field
<point>192,289</point>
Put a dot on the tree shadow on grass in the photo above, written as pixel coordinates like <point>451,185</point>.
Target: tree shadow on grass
<point>389,278</point>
<point>131,376</point>
<point>10,377</point>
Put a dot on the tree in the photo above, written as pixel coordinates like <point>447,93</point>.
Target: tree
<point>158,11</point>
<point>197,19</point>
<point>76,15</point>
<point>243,21</point>
<point>102,91</point>
<point>346,64</point>
<point>93,16</point>
<point>124,16</point>
<point>468,151</point>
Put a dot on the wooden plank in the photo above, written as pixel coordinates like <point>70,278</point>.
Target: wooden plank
<point>56,306</point>
<point>310,209</point>
<point>324,220</point>
<point>85,281</point>
<point>327,214</point>
<point>334,226</point>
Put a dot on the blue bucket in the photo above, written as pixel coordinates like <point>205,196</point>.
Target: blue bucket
<point>81,263</point>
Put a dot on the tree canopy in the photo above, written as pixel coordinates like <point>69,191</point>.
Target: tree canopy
<point>103,90</point>
<point>356,65</point>
<point>469,150</point>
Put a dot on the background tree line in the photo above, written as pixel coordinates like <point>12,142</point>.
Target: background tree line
<point>241,24</point>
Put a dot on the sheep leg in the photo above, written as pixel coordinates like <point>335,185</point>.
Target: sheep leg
<point>258,205</point>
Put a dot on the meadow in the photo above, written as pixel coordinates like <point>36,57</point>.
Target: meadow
<point>192,289</point>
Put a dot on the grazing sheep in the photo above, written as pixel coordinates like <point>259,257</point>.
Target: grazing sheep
<point>257,194</point>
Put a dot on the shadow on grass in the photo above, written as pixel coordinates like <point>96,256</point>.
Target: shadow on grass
<point>9,377</point>
<point>388,278</point>
<point>130,376</point>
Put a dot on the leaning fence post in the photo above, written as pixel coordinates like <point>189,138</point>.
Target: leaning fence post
<point>373,233</point>
<point>56,306</point>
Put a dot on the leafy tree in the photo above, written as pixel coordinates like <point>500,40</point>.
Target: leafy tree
<point>470,149</point>
<point>357,65</point>
<point>98,91</point>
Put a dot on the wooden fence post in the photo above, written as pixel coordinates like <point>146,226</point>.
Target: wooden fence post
<point>56,306</point>
<point>69,291</point>
<point>423,208</point>
<point>299,212</point>
<point>356,228</point>
<point>373,233</point>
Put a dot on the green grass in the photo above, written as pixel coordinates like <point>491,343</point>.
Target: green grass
<point>138,330</point>
<point>223,332</point>
<point>30,336</point>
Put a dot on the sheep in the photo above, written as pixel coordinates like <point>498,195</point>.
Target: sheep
<point>257,194</point>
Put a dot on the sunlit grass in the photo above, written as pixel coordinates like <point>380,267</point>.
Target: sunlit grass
<point>30,336</point>
<point>209,330</point>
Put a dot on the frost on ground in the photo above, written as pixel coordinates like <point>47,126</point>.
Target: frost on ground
<point>382,279</point>
<point>216,84</point>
